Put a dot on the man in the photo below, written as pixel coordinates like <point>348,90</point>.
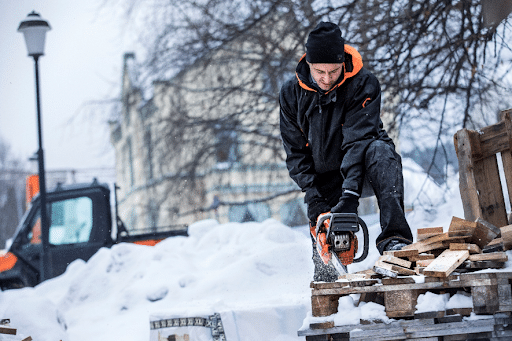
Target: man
<point>334,139</point>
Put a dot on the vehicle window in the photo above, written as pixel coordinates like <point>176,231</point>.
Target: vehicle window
<point>71,221</point>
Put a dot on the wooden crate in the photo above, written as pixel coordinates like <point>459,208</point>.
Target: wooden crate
<point>453,327</point>
<point>479,179</point>
<point>491,292</point>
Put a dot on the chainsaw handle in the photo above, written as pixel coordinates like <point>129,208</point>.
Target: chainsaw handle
<point>320,221</point>
<point>366,241</point>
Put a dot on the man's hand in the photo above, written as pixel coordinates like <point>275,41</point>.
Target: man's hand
<point>316,207</point>
<point>348,204</point>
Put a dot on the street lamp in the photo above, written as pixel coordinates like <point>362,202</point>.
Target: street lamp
<point>34,29</point>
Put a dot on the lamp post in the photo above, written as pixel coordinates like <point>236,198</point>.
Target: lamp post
<point>34,29</point>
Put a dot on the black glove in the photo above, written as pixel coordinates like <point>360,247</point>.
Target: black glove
<point>348,204</point>
<point>316,207</point>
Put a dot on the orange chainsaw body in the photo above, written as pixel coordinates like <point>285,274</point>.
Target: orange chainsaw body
<point>340,240</point>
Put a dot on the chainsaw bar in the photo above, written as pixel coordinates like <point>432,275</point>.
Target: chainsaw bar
<point>335,261</point>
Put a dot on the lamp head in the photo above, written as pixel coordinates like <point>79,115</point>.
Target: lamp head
<point>34,29</point>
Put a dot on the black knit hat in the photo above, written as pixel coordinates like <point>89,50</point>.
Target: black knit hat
<point>325,44</point>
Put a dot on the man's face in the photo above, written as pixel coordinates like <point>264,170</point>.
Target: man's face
<point>325,75</point>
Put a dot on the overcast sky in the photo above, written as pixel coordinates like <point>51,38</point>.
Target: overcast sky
<point>82,63</point>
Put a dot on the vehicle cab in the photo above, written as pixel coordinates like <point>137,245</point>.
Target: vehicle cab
<point>80,223</point>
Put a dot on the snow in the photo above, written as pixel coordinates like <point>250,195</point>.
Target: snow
<point>256,276</point>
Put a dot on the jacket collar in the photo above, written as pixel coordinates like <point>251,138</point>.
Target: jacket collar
<point>352,65</point>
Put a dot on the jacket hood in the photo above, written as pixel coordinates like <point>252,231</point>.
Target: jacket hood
<point>351,66</point>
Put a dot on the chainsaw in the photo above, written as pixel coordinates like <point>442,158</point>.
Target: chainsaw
<point>336,240</point>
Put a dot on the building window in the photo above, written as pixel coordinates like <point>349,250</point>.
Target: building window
<point>251,212</point>
<point>153,215</point>
<point>226,146</point>
<point>129,152</point>
<point>274,75</point>
<point>149,154</point>
<point>293,213</point>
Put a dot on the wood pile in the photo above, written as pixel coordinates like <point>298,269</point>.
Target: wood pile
<point>467,246</point>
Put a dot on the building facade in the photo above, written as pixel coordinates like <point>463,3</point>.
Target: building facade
<point>232,186</point>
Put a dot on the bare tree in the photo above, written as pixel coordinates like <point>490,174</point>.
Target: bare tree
<point>439,66</point>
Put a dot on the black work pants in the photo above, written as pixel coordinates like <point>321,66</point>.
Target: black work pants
<point>383,172</point>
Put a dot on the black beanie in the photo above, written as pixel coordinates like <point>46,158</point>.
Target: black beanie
<point>325,44</point>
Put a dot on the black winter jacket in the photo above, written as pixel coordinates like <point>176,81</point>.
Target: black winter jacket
<point>327,131</point>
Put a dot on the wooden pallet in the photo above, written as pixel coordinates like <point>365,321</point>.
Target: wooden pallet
<point>453,327</point>
<point>479,176</point>
<point>491,292</point>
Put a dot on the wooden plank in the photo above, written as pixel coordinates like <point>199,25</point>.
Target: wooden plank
<point>478,177</point>
<point>328,285</point>
<point>505,296</point>
<point>453,328</point>
<point>506,155</point>
<point>491,201</point>
<point>395,281</point>
<point>391,333</point>
<point>7,330</point>
<point>322,325</point>
<point>484,264</point>
<point>362,282</point>
<point>467,146</point>
<point>431,283</point>
<point>419,329</point>
<point>448,318</point>
<point>324,305</point>
<point>443,237</point>
<point>435,242</point>
<point>459,311</point>
<point>506,237</point>
<point>429,314</point>
<point>461,227</point>
<point>493,140</point>
<point>402,253</point>
<point>400,303</point>
<point>384,269</point>
<point>365,274</point>
<point>421,256</point>
<point>395,260</point>
<point>444,265</point>
<point>427,247</point>
<point>424,263</point>
<point>472,248</point>
<point>485,299</point>
<point>496,245</point>
<point>427,232</point>
<point>394,268</point>
<point>494,256</point>
<point>485,232</point>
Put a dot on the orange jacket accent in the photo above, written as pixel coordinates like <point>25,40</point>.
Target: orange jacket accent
<point>357,62</point>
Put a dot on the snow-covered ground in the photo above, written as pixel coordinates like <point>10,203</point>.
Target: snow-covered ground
<point>255,276</point>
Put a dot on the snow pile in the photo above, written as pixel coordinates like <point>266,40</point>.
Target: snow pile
<point>247,268</point>
<point>429,302</point>
<point>349,313</point>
